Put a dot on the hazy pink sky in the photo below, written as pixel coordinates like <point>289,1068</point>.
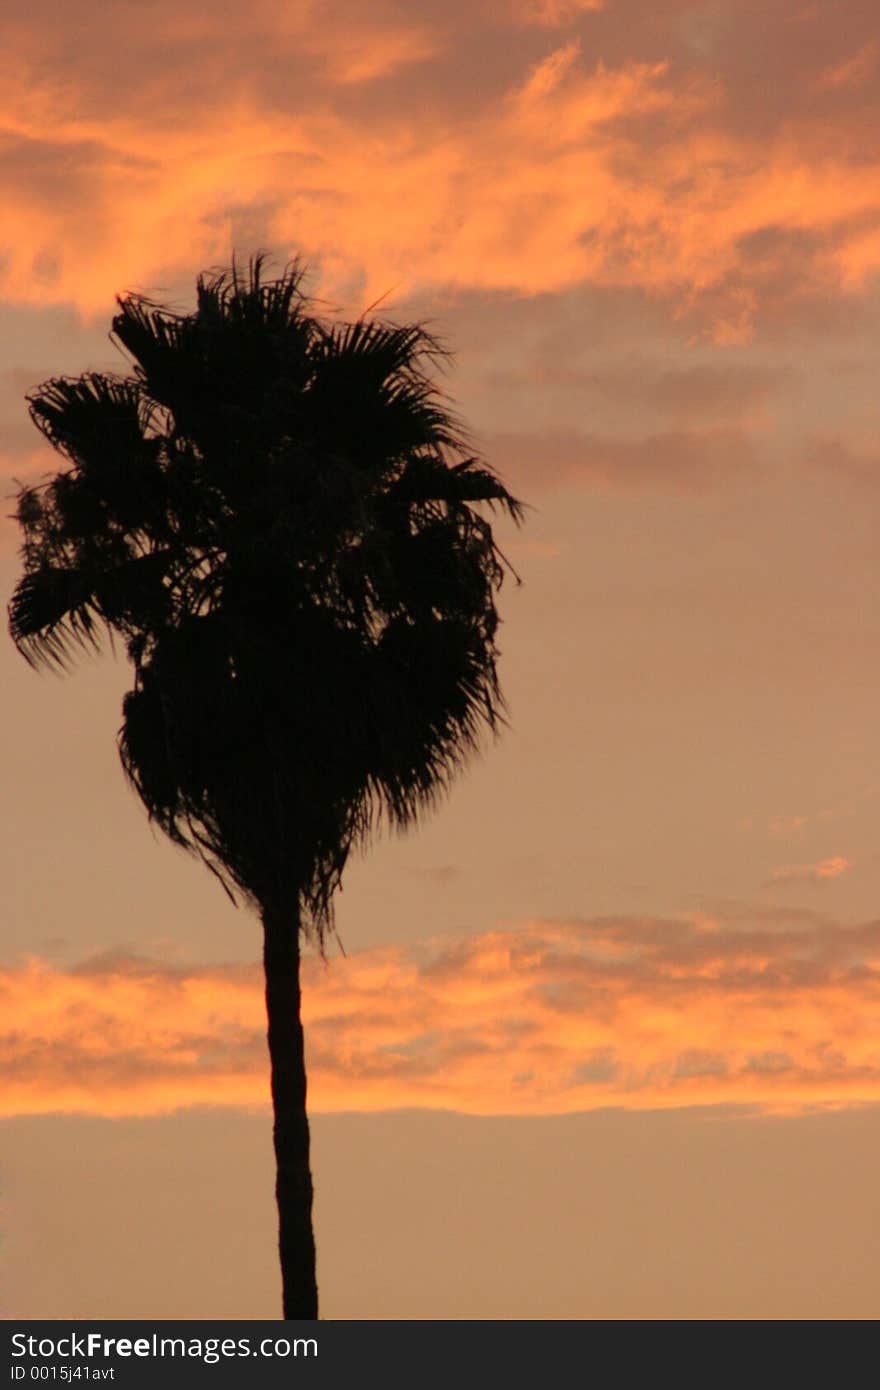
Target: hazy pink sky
<point>651,234</point>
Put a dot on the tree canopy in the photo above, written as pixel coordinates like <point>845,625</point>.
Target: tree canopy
<point>279,515</point>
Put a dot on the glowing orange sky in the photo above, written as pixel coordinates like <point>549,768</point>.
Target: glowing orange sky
<point>652,232</point>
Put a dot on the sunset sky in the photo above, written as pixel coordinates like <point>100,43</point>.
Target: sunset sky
<point>605,1037</point>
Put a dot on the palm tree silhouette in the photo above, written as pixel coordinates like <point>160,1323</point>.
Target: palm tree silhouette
<point>276,513</point>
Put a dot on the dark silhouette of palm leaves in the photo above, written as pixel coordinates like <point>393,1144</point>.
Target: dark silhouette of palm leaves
<point>279,516</point>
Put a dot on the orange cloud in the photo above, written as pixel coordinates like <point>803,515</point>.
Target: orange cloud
<point>815,873</point>
<point>571,165</point>
<point>548,1018</point>
<point>787,827</point>
<point>350,54</point>
<point>854,71</point>
<point>552,13</point>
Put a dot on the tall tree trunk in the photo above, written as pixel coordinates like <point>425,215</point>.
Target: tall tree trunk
<point>293,1186</point>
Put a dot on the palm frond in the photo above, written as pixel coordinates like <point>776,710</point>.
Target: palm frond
<point>93,412</point>
<point>53,611</point>
<point>425,478</point>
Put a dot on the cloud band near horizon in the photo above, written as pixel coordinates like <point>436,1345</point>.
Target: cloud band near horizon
<point>547,1018</point>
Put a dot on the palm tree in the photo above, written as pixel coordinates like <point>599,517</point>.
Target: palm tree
<point>276,513</point>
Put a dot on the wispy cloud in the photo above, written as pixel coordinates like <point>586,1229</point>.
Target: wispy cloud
<point>818,872</point>
<point>682,461</point>
<point>548,1018</point>
<point>839,457</point>
<point>787,827</point>
<point>852,71</point>
<point>551,14</point>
